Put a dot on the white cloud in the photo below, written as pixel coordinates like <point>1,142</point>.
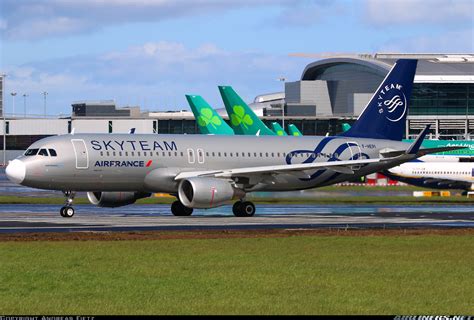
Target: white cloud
<point>396,13</point>
<point>33,19</point>
<point>458,41</point>
<point>159,72</point>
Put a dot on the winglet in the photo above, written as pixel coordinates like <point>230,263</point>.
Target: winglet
<point>415,146</point>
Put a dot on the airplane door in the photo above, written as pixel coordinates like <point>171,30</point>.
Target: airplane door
<point>200,156</point>
<point>80,150</point>
<point>191,158</point>
<point>354,149</point>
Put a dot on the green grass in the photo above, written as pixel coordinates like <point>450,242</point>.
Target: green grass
<point>429,274</point>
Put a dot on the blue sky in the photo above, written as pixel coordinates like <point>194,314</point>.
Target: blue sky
<point>153,52</point>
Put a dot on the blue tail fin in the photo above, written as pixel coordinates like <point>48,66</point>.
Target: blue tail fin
<point>384,117</point>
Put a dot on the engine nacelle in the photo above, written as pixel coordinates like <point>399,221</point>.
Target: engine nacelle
<point>115,199</point>
<point>207,192</point>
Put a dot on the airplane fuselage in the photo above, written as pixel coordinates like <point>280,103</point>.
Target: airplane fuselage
<point>149,162</point>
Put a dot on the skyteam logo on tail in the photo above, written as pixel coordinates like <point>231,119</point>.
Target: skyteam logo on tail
<point>392,102</point>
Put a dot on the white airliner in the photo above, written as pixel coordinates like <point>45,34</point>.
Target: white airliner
<point>209,171</point>
<point>438,175</point>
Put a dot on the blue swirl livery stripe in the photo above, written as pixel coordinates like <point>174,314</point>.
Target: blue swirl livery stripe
<point>318,150</point>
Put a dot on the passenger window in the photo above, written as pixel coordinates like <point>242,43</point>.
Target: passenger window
<point>31,152</point>
<point>52,153</point>
<point>43,152</point>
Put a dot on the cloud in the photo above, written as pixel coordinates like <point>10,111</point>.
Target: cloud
<point>159,72</point>
<point>34,19</point>
<point>399,13</point>
<point>456,41</point>
<point>307,13</point>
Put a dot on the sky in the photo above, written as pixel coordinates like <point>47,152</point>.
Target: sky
<point>151,53</point>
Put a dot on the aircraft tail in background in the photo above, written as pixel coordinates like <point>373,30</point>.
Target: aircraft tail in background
<point>278,129</point>
<point>384,117</point>
<point>242,118</point>
<point>208,120</point>
<point>293,130</point>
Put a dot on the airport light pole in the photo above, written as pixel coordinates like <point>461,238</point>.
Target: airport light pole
<point>45,94</point>
<point>13,105</point>
<point>283,79</point>
<point>4,122</point>
<point>24,104</point>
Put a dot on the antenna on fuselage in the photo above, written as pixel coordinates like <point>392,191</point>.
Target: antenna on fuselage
<point>132,131</point>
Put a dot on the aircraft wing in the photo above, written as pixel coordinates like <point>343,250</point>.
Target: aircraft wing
<point>338,166</point>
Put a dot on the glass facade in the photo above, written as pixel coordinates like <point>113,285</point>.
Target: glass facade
<point>309,127</point>
<point>442,99</point>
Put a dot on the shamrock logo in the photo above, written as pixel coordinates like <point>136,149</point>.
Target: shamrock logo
<point>240,118</point>
<point>296,134</point>
<point>206,116</point>
<point>279,132</point>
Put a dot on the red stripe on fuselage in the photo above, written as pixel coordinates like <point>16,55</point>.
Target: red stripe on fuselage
<point>149,163</point>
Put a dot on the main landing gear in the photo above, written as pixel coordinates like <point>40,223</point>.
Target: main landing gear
<point>240,209</point>
<point>68,211</point>
<point>243,209</point>
<point>180,210</point>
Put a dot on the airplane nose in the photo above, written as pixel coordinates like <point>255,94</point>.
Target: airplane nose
<point>16,171</point>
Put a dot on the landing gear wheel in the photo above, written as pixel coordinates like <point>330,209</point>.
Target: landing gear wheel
<point>67,212</point>
<point>247,209</point>
<point>179,210</point>
<point>236,208</point>
<point>243,209</point>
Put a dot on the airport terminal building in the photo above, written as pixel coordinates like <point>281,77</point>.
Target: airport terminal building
<point>329,92</point>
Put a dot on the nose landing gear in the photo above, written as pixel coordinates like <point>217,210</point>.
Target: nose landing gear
<point>68,211</point>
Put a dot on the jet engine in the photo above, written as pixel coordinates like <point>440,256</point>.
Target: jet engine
<point>207,192</point>
<point>115,199</point>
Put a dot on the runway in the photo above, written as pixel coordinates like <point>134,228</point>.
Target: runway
<point>46,218</point>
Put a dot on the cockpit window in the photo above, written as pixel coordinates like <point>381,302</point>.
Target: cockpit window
<point>31,152</point>
<point>52,152</point>
<point>43,152</point>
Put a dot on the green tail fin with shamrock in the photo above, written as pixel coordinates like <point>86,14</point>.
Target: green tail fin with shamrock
<point>293,130</point>
<point>242,118</point>
<point>208,120</point>
<point>278,129</point>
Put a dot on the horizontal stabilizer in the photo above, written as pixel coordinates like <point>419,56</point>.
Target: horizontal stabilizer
<point>420,153</point>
